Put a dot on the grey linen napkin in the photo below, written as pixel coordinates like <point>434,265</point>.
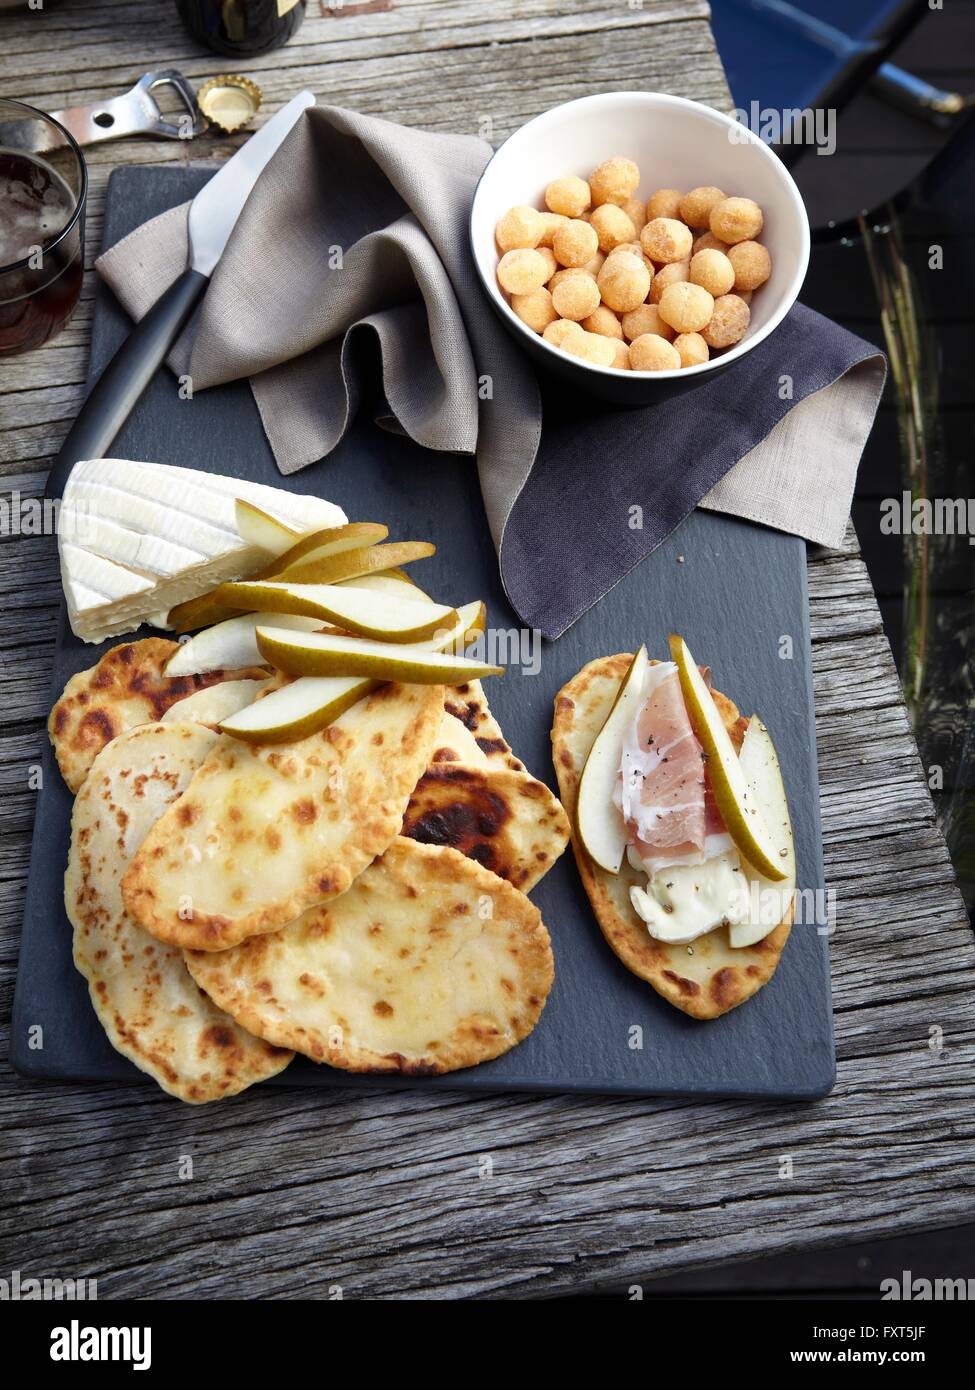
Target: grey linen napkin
<point>359,226</point>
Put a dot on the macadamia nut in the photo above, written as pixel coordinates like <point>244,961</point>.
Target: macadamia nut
<point>736,219</point>
<point>686,307</point>
<point>707,241</point>
<point>729,322</point>
<point>558,329</point>
<point>551,222</point>
<point>636,211</point>
<point>548,256</point>
<point>624,281</point>
<point>569,196</point>
<point>645,319</point>
<point>611,226</point>
<point>664,203</point>
<point>575,243</point>
<point>520,226</point>
<point>672,274</point>
<point>692,349</point>
<point>604,322</point>
<point>590,347</point>
<point>614,181</point>
<point>651,353</point>
<point>695,207</point>
<point>713,270</point>
<point>576,297</point>
<point>535,309</point>
<point>561,275</point>
<point>622,359</point>
<point>636,249</point>
<point>751,263</point>
<point>595,264</point>
<point>522,270</point>
<point>666,240</point>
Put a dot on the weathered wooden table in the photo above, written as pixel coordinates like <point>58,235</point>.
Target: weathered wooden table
<point>389,1195</point>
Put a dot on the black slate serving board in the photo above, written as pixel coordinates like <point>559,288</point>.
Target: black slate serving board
<point>739,590</point>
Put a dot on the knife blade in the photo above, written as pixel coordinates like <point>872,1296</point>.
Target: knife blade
<point>215,209</point>
<point>212,217</point>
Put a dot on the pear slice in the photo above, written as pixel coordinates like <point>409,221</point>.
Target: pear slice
<point>316,568</point>
<point>771,902</point>
<point>327,544</point>
<point>321,545</point>
<point>259,528</point>
<point>229,644</point>
<point>736,801</point>
<point>297,710</point>
<point>392,581</point>
<point>599,821</point>
<point>381,616</point>
<point>330,654</point>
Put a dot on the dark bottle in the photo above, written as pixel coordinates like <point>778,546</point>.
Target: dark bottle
<point>241,28</point>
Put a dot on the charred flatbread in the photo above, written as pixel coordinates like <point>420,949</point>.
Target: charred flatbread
<point>713,977</point>
<point>468,704</point>
<point>506,820</point>
<point>427,964</point>
<point>144,997</point>
<point>125,688</point>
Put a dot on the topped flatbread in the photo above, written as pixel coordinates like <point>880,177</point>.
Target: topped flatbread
<point>125,688</point>
<point>140,989</point>
<point>428,963</point>
<point>706,979</point>
<point>264,831</point>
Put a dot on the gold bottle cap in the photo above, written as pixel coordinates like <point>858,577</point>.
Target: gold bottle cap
<point>229,101</point>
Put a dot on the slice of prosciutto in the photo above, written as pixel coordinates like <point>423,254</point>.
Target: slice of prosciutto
<point>669,812</point>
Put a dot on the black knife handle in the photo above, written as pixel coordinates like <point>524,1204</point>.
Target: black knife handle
<point>114,394</point>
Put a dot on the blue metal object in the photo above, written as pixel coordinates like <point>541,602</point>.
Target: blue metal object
<point>783,55</point>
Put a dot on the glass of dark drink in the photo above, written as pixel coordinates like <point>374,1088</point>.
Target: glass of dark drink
<point>43,184</point>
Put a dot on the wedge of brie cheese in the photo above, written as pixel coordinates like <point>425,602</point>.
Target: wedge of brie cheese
<point>135,539</point>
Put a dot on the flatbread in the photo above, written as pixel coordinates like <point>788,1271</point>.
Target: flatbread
<point>428,963</point>
<point>125,688</point>
<point>468,704</point>
<point>216,703</point>
<point>141,991</point>
<point>706,979</point>
<point>264,831</point>
<point>506,820</point>
<point>456,744</point>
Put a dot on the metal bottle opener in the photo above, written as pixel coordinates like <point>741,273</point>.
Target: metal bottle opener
<point>136,113</point>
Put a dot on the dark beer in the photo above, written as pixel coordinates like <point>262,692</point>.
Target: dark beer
<point>40,266</point>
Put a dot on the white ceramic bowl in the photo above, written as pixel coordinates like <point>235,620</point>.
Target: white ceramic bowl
<point>677,144</point>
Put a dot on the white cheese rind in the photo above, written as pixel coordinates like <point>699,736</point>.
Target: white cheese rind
<point>135,539</point>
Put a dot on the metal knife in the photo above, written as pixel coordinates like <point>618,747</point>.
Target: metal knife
<point>213,214</point>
